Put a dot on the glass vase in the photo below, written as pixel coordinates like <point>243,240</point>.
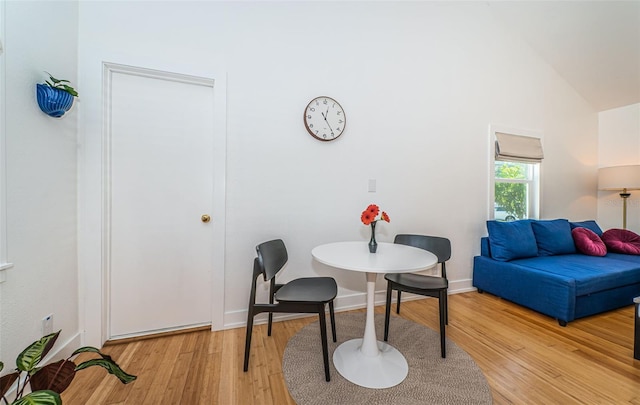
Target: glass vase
<point>373,245</point>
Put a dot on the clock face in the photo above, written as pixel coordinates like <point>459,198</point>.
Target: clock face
<point>324,118</point>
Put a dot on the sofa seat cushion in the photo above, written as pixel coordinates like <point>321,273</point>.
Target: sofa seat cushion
<point>587,242</point>
<point>511,240</point>
<point>591,274</point>
<point>553,237</point>
<point>622,241</point>
<point>625,258</point>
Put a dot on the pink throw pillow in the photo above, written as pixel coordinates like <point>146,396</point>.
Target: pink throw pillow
<point>622,241</point>
<point>588,242</point>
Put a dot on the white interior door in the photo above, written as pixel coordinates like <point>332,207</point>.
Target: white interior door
<point>161,173</point>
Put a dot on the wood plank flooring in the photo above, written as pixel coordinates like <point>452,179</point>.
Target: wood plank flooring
<point>526,357</point>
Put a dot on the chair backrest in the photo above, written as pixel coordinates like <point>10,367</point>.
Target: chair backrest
<point>272,256</point>
<point>441,247</point>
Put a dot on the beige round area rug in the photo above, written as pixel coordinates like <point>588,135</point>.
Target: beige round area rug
<point>454,380</point>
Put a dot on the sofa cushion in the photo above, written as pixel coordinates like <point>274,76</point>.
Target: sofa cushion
<point>511,240</point>
<point>590,274</point>
<point>553,237</point>
<point>592,225</point>
<point>622,241</point>
<point>588,242</point>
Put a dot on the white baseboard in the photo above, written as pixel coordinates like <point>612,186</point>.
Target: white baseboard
<point>64,350</point>
<point>238,319</point>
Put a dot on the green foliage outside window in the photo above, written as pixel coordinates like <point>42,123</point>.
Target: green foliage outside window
<point>511,196</point>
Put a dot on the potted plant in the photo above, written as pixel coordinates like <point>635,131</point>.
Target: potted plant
<point>47,382</point>
<point>55,96</point>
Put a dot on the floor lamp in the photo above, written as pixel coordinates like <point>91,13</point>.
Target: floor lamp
<point>620,178</point>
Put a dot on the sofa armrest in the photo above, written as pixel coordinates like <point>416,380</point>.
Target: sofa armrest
<point>485,247</point>
<point>548,293</point>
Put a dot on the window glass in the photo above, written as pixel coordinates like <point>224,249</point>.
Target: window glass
<point>515,190</point>
<point>511,170</point>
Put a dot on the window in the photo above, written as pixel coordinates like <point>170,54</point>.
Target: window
<point>515,190</point>
<point>515,185</point>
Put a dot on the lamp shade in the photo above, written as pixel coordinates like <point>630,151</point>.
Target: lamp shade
<point>619,178</point>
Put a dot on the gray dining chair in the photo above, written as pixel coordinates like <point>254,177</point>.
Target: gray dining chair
<point>431,286</point>
<point>302,295</point>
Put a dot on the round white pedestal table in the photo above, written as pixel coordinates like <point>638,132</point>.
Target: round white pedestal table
<point>368,362</point>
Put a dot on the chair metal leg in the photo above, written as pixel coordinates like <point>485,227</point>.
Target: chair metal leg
<point>446,308</point>
<point>398,303</point>
<point>325,347</point>
<point>387,312</point>
<point>273,287</point>
<point>247,341</point>
<point>442,301</point>
<point>333,321</point>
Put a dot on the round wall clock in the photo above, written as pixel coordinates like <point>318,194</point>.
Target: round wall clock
<point>324,118</point>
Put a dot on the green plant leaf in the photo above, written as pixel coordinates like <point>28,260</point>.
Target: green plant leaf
<point>110,365</point>
<point>70,90</point>
<point>53,79</point>
<point>60,84</point>
<point>91,349</point>
<point>31,356</point>
<point>88,349</point>
<point>55,376</point>
<point>7,381</point>
<point>45,397</point>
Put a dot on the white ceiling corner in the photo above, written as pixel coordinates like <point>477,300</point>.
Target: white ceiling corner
<point>593,45</point>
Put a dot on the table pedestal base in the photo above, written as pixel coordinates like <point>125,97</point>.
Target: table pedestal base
<point>387,369</point>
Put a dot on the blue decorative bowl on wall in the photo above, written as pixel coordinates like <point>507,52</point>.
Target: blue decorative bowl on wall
<point>53,102</point>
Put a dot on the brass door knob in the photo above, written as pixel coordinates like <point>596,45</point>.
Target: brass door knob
<point>205,218</point>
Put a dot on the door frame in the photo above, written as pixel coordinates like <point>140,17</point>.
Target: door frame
<point>94,232</point>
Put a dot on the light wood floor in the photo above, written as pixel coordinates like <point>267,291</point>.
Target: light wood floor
<point>526,357</point>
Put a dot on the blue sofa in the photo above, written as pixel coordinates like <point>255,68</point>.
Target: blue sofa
<point>536,264</point>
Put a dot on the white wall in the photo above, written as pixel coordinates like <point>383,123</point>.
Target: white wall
<point>41,175</point>
<point>619,144</point>
<point>420,83</point>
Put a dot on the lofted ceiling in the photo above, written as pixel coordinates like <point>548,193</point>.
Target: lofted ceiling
<point>593,45</point>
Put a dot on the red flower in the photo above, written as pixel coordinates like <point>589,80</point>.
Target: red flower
<point>385,217</point>
<point>366,217</point>
<point>369,215</point>
<point>373,210</point>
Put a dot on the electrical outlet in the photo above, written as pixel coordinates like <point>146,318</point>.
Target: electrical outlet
<point>47,325</point>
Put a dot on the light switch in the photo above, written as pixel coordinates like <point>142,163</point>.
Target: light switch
<point>372,185</point>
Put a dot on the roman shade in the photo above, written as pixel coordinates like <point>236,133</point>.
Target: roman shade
<point>518,148</point>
